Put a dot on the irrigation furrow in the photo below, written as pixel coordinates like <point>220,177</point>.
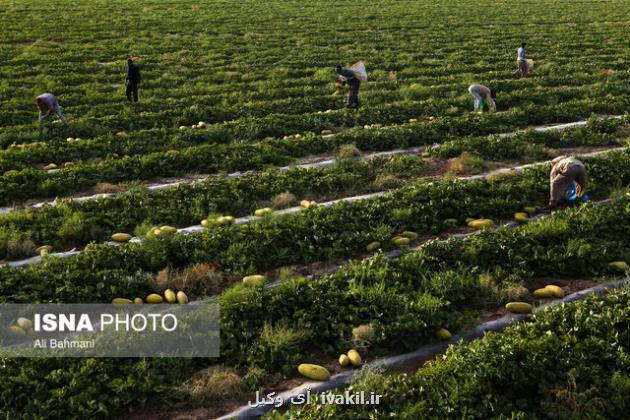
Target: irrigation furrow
<point>319,164</point>
<point>36,260</point>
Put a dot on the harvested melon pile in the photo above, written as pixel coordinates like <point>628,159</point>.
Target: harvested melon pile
<point>169,296</point>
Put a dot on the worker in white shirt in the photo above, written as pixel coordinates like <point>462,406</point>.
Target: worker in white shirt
<point>521,61</point>
<point>484,97</point>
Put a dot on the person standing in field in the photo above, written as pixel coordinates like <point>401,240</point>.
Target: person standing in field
<point>564,171</point>
<point>348,77</point>
<point>484,97</point>
<point>521,61</point>
<point>132,80</point>
<point>47,103</point>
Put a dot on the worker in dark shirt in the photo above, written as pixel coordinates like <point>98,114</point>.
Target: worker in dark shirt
<point>348,77</point>
<point>132,80</point>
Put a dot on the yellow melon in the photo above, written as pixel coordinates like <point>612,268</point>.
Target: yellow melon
<point>254,280</point>
<point>121,237</point>
<point>24,323</point>
<point>400,241</point>
<point>169,295</point>
<point>543,293</point>
<point>481,224</point>
<point>443,334</point>
<point>619,265</point>
<point>121,301</point>
<point>519,307</point>
<point>521,217</point>
<point>344,360</point>
<point>168,229</point>
<point>182,299</point>
<point>373,246</point>
<point>154,298</point>
<point>355,357</point>
<point>315,372</point>
<point>555,291</point>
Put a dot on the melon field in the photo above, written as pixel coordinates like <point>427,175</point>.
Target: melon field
<point>333,237</point>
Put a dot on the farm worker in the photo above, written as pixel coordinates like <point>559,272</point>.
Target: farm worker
<point>47,103</point>
<point>348,77</point>
<point>132,80</point>
<point>484,97</point>
<point>564,172</point>
<point>521,61</point>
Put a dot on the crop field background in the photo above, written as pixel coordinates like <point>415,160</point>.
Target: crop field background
<point>259,76</point>
<point>220,61</point>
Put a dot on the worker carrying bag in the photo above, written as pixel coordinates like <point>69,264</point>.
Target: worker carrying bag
<point>359,71</point>
<point>574,196</point>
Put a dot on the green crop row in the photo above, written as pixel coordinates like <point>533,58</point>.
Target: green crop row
<point>27,146</point>
<point>261,97</point>
<point>340,231</point>
<point>571,361</point>
<point>533,144</point>
<point>404,299</point>
<point>454,98</point>
<point>72,223</point>
<point>31,183</point>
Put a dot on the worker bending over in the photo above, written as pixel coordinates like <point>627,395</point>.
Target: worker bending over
<point>521,61</point>
<point>564,171</point>
<point>47,103</point>
<point>132,80</point>
<point>484,97</point>
<point>348,77</point>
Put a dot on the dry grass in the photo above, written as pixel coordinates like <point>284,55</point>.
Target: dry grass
<point>570,403</point>
<point>363,336</point>
<point>161,279</point>
<point>465,164</point>
<point>199,279</point>
<point>387,181</point>
<point>504,292</point>
<point>347,151</point>
<point>283,200</point>
<point>20,248</point>
<point>215,383</point>
<point>106,187</point>
<point>511,292</point>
